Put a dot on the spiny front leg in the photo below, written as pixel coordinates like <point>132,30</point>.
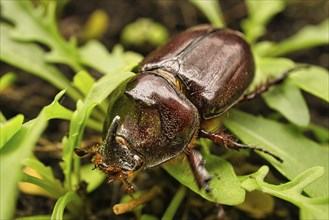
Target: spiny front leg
<point>200,173</point>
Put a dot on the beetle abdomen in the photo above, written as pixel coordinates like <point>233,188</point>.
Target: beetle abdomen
<point>215,66</point>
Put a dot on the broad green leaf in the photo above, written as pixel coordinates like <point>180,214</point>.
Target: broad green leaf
<point>83,82</point>
<point>31,58</point>
<point>225,186</point>
<point>39,24</point>
<point>211,9</point>
<point>95,55</point>
<point>15,150</point>
<point>307,37</point>
<point>297,152</point>
<point>289,101</point>
<point>144,31</point>
<point>9,128</point>
<point>314,80</point>
<point>260,13</point>
<point>62,202</point>
<point>310,208</point>
<point>7,80</point>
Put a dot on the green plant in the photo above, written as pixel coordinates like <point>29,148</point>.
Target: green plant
<point>308,177</point>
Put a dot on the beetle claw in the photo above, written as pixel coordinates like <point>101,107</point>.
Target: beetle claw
<point>128,186</point>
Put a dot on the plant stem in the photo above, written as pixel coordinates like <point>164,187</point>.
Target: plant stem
<point>175,203</point>
<point>130,205</point>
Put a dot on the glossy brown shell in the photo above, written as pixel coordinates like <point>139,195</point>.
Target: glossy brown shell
<point>215,67</point>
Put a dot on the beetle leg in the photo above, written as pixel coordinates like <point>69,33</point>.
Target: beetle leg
<point>128,186</point>
<point>226,140</point>
<point>274,81</point>
<point>200,173</point>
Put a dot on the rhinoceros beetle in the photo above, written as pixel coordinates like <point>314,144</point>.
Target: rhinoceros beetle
<point>180,93</point>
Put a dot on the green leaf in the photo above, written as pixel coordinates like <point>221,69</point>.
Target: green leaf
<point>225,185</point>
<point>288,100</point>
<point>2,118</point>
<point>321,133</point>
<point>83,82</point>
<point>310,208</point>
<point>211,9</point>
<point>314,80</point>
<point>7,79</point>
<point>56,110</point>
<point>298,152</point>
<point>9,128</point>
<point>94,179</point>
<point>62,202</point>
<point>54,191</point>
<point>260,13</point>
<point>15,150</point>
<point>39,24</point>
<point>96,56</point>
<point>144,31</point>
<point>267,68</point>
<point>31,58</point>
<point>307,37</point>
<point>48,181</point>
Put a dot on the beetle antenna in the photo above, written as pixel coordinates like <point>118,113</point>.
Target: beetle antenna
<point>89,150</point>
<point>230,144</point>
<point>110,137</point>
<point>80,152</point>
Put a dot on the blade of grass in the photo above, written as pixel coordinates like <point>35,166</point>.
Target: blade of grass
<point>175,203</point>
<point>62,202</point>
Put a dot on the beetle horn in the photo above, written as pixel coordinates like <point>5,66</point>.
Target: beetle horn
<point>110,137</point>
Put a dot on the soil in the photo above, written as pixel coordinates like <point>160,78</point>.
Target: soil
<point>30,94</point>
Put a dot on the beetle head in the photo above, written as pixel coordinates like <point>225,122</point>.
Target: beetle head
<point>114,156</point>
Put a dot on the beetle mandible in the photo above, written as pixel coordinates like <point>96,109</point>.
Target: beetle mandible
<point>178,95</point>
